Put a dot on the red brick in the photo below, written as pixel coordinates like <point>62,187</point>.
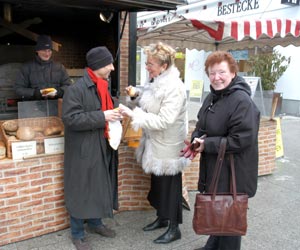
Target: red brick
<point>10,180</point>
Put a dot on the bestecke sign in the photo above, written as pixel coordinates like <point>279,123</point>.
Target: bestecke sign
<point>237,7</point>
<point>205,11</point>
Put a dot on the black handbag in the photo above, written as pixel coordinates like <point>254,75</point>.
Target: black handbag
<point>221,214</point>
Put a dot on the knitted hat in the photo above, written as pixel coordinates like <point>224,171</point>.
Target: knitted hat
<point>98,57</point>
<point>43,42</point>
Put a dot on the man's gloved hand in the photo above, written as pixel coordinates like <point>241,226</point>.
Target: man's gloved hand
<point>37,94</point>
<point>60,92</point>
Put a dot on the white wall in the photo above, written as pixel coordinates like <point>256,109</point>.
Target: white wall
<point>289,83</point>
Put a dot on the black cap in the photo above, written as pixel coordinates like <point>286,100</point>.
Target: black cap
<point>43,42</point>
<point>98,57</point>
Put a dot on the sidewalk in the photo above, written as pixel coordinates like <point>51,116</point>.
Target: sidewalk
<point>273,218</point>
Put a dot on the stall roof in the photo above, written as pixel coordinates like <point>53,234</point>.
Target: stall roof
<point>109,5</point>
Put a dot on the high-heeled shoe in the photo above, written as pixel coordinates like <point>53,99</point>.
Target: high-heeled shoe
<point>158,223</point>
<point>173,233</point>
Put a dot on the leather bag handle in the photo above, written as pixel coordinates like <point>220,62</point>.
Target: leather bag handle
<point>215,179</point>
<point>217,171</point>
<point>233,179</point>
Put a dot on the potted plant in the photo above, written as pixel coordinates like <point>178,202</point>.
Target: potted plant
<point>269,67</point>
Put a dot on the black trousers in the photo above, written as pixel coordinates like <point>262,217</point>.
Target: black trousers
<point>165,196</point>
<point>223,243</point>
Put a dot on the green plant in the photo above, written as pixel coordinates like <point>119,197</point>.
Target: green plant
<point>270,67</point>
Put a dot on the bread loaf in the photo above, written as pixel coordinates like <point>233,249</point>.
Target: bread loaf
<point>47,91</point>
<point>10,126</point>
<point>25,133</point>
<point>2,150</point>
<point>53,130</point>
<point>40,148</point>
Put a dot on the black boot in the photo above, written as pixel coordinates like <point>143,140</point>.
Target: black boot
<point>158,223</point>
<point>173,233</point>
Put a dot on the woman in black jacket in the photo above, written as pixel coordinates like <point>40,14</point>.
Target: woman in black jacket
<point>228,111</point>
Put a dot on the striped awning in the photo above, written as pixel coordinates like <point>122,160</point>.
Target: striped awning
<point>226,35</point>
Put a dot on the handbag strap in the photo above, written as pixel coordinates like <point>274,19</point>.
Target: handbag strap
<point>233,177</point>
<point>217,171</point>
<point>218,166</point>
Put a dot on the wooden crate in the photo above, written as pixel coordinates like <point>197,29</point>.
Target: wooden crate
<point>41,123</point>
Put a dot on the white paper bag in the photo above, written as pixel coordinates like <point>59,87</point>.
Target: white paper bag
<point>115,131</point>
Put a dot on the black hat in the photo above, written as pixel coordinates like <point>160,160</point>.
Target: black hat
<point>98,57</point>
<point>43,42</point>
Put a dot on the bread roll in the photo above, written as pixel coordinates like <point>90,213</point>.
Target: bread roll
<point>132,92</point>
<point>10,126</point>
<point>52,130</point>
<point>25,133</point>
<point>2,150</point>
<point>47,91</point>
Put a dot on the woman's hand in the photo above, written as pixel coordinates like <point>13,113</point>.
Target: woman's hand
<point>131,91</point>
<point>198,144</point>
<point>125,110</point>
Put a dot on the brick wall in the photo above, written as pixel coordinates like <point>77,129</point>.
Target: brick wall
<point>124,55</point>
<point>31,198</point>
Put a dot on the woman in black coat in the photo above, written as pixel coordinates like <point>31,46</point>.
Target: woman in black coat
<point>228,111</point>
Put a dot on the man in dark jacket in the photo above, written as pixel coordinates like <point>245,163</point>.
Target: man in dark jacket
<point>228,111</point>
<point>90,166</point>
<point>41,73</point>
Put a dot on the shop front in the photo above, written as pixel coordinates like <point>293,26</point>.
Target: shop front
<point>31,164</point>
<point>245,28</point>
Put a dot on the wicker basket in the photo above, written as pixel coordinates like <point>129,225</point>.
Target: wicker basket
<point>40,122</point>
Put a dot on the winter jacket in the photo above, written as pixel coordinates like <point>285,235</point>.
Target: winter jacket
<point>90,164</point>
<point>39,74</point>
<point>162,116</point>
<point>230,113</point>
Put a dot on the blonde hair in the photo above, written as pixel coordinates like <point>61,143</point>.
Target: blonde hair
<point>162,52</point>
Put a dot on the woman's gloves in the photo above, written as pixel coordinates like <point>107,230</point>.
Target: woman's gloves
<point>188,151</point>
<point>192,149</point>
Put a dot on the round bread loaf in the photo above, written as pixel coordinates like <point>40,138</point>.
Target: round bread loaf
<point>25,133</point>
<point>53,130</point>
<point>2,150</point>
<point>10,126</point>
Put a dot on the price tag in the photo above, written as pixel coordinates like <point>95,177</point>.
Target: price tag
<point>24,148</point>
<point>54,145</point>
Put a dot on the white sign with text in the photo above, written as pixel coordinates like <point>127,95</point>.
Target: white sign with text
<point>54,145</point>
<point>24,148</point>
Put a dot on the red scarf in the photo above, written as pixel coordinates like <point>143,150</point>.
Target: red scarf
<point>106,101</point>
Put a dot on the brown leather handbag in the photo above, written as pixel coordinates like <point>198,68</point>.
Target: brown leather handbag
<point>221,214</point>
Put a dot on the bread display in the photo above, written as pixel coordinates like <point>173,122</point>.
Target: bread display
<point>36,129</point>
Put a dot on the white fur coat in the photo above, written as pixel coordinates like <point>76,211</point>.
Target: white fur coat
<point>161,113</point>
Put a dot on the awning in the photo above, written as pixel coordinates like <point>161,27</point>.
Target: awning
<point>109,5</point>
<point>223,35</point>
